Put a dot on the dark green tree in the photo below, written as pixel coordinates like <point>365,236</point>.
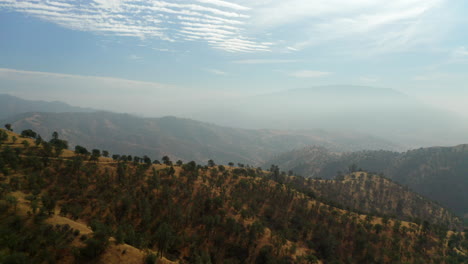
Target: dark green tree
<point>167,161</point>
<point>29,133</point>
<point>81,150</point>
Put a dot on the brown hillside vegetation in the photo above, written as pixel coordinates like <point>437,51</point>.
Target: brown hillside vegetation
<point>190,213</point>
<point>375,195</point>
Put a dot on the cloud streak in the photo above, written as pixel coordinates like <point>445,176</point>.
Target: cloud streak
<point>216,72</point>
<point>218,23</point>
<point>379,24</point>
<point>263,61</point>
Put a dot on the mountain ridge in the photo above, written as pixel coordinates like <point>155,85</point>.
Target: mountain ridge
<point>184,139</point>
<point>436,172</point>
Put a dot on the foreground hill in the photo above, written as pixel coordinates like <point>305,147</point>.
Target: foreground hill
<point>194,214</point>
<point>438,173</point>
<point>183,139</point>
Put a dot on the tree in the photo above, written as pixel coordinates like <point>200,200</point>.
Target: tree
<point>211,163</point>
<point>165,238</point>
<point>12,201</point>
<point>58,144</point>
<point>28,133</point>
<point>231,164</point>
<point>38,140</point>
<point>81,150</point>
<point>3,136</point>
<point>167,161</point>
<point>171,171</point>
<point>95,154</point>
<point>55,135</point>
<point>8,127</point>
<point>151,259</point>
<point>25,143</point>
<point>105,153</point>
<point>49,203</point>
<point>154,181</point>
<point>146,160</point>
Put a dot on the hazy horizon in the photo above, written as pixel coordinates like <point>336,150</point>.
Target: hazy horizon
<point>111,54</point>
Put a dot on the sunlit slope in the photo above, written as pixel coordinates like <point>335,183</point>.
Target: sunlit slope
<point>198,214</point>
<point>438,173</point>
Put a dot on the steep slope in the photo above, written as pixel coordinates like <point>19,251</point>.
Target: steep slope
<point>11,106</point>
<point>438,173</point>
<point>183,139</point>
<point>199,214</point>
<point>376,195</point>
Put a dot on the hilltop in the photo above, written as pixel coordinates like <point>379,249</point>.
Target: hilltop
<point>193,213</point>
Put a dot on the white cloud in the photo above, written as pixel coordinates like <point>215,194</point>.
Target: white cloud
<point>379,25</point>
<point>224,4</point>
<point>460,52</point>
<point>240,25</point>
<point>183,20</point>
<point>309,74</point>
<point>216,71</point>
<point>263,61</point>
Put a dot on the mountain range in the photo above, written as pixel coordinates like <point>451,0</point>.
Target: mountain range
<point>380,112</point>
<point>179,138</point>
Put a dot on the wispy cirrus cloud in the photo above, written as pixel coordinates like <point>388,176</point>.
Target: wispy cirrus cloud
<point>379,25</point>
<point>216,71</point>
<point>263,61</point>
<point>460,52</point>
<point>218,23</point>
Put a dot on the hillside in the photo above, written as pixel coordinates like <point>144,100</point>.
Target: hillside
<point>438,173</point>
<point>12,105</point>
<point>184,139</point>
<point>203,214</point>
<point>375,195</point>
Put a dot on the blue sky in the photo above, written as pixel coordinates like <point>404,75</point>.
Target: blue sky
<point>103,52</point>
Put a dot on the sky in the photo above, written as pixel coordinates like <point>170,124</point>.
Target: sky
<point>155,57</point>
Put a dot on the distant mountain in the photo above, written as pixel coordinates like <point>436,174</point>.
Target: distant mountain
<point>439,173</point>
<point>183,138</point>
<point>11,106</point>
<point>381,112</point>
